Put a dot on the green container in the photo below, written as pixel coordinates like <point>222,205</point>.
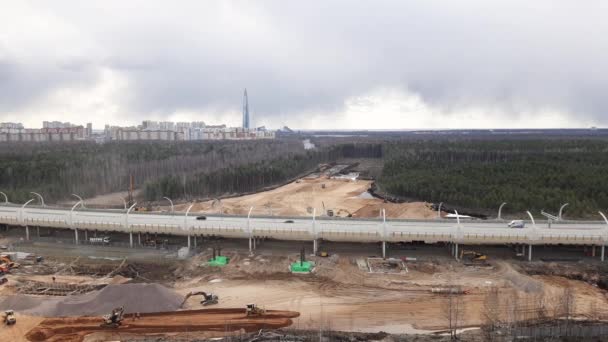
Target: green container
<point>219,261</point>
<point>298,267</point>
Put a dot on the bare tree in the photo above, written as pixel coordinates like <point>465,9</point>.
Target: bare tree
<point>454,310</point>
<point>491,307</point>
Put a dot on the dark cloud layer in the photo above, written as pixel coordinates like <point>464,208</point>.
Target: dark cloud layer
<point>301,57</point>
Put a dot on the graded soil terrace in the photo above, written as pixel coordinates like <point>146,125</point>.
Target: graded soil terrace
<point>223,321</point>
<point>297,198</point>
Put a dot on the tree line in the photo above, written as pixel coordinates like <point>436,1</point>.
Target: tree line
<point>57,170</point>
<point>529,175</point>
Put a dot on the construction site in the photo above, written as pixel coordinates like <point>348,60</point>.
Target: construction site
<point>103,289</point>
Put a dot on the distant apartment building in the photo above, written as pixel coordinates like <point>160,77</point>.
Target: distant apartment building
<point>147,131</point>
<point>54,131</point>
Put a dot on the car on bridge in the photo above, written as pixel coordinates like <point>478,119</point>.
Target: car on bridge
<point>517,224</point>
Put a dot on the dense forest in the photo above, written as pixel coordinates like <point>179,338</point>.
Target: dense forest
<point>528,174</point>
<point>469,174</point>
<point>89,169</point>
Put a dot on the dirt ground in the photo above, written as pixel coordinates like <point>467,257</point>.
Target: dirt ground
<point>208,320</point>
<point>16,333</point>
<point>342,296</point>
<point>298,198</point>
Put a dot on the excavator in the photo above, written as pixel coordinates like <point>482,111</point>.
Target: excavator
<point>254,310</point>
<point>208,298</point>
<point>7,263</point>
<point>114,319</point>
<point>473,256</point>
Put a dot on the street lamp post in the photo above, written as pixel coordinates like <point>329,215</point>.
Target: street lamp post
<point>534,230</point>
<point>124,203</point>
<point>39,196</point>
<point>127,226</point>
<point>72,220</point>
<point>603,244</point>
<point>27,229</point>
<point>186,222</point>
<point>314,233</point>
<point>383,233</point>
<point>500,210</point>
<point>561,209</point>
<point>439,210</point>
<point>249,230</point>
<point>5,197</point>
<point>80,199</point>
<point>170,201</point>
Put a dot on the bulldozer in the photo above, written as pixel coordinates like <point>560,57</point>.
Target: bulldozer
<point>208,298</point>
<point>9,317</point>
<point>254,310</point>
<point>473,256</point>
<point>114,319</point>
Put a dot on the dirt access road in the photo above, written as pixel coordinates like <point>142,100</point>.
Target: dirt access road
<point>298,198</point>
<point>208,320</point>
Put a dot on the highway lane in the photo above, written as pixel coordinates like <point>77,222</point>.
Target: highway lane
<point>304,228</point>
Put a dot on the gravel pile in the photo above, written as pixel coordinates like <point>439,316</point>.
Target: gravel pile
<point>143,298</point>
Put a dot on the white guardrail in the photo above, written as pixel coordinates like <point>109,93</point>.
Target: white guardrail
<point>308,228</point>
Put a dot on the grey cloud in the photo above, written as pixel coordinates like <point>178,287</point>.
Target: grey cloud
<point>294,57</point>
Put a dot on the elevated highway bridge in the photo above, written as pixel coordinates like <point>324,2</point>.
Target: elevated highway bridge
<point>454,232</point>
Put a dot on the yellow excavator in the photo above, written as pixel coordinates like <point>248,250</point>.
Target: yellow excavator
<point>114,319</point>
<point>208,298</point>
<point>473,256</point>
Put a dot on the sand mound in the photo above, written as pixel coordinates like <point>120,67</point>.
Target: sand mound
<point>143,298</point>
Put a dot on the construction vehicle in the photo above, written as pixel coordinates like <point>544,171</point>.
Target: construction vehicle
<point>473,256</point>
<point>254,310</point>
<point>114,319</point>
<point>6,260</point>
<point>9,317</point>
<point>208,298</point>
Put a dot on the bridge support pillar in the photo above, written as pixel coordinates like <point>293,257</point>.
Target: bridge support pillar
<point>383,249</point>
<point>315,246</point>
<point>139,239</point>
<point>456,251</point>
<point>195,238</point>
<point>250,245</point>
<point>593,251</point>
<point>38,230</point>
<point>603,247</point>
<point>254,238</point>
<point>529,252</point>
<point>131,239</point>
<point>76,235</point>
<point>188,241</point>
<point>86,235</point>
<point>27,233</point>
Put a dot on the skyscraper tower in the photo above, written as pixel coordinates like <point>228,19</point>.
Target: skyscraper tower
<point>245,111</point>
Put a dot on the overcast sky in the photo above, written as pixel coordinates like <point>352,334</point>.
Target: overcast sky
<point>307,64</point>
